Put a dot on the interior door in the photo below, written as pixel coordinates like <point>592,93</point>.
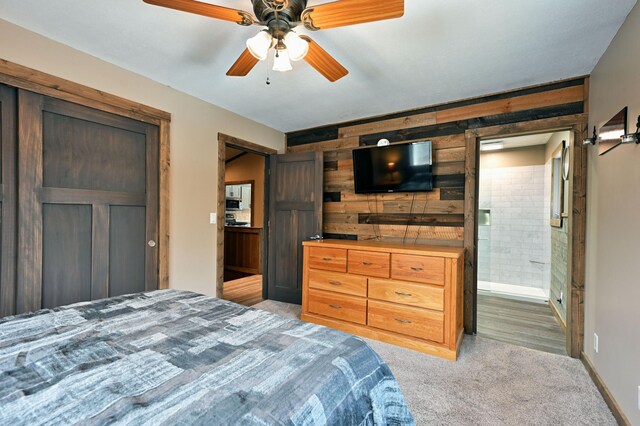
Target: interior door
<point>88,204</point>
<point>295,215</point>
<point>8,142</point>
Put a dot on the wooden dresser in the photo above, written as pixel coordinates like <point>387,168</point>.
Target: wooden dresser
<point>406,295</point>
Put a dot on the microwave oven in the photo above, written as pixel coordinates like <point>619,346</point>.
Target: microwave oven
<point>233,204</point>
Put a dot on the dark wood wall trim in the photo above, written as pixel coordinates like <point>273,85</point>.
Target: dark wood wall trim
<point>45,84</point>
<point>445,216</point>
<point>471,167</point>
<point>223,141</point>
<point>617,412</point>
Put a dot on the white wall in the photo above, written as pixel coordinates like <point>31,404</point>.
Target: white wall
<point>194,128</point>
<point>613,226</point>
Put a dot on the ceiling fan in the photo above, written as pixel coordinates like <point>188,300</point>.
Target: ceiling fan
<point>280,17</point>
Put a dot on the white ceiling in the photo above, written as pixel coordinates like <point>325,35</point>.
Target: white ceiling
<point>440,51</point>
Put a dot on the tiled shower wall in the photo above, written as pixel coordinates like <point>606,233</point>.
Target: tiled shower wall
<point>515,248</point>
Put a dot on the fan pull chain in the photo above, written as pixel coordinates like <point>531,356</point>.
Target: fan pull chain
<point>268,82</point>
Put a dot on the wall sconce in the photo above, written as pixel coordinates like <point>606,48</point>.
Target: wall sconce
<point>632,137</point>
<point>592,140</point>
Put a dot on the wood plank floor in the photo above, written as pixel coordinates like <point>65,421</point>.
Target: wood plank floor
<point>244,291</point>
<point>521,323</point>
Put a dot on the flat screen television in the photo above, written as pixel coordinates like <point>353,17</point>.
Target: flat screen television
<point>402,167</point>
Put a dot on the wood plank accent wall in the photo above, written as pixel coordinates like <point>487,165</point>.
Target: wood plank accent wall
<point>436,217</point>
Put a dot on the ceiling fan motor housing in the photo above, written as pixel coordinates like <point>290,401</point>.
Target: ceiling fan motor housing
<point>291,13</point>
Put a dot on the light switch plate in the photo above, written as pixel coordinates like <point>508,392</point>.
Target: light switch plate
<point>213,218</point>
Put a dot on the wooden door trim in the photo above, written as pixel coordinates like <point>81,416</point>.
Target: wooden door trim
<point>577,124</point>
<point>22,77</point>
<point>223,141</point>
<point>245,145</point>
<point>27,78</point>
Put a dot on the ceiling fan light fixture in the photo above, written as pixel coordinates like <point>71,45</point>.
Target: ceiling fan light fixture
<point>259,45</point>
<point>296,46</point>
<point>281,62</point>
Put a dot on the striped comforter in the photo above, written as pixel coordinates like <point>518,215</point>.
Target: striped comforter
<point>170,357</point>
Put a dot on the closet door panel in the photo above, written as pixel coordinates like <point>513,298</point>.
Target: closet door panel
<point>75,150</point>
<point>66,254</point>
<point>95,176</point>
<point>127,250</point>
<point>8,214</point>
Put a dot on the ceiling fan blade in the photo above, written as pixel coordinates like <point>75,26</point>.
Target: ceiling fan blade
<point>243,65</point>
<point>350,12</point>
<point>324,63</point>
<point>206,9</point>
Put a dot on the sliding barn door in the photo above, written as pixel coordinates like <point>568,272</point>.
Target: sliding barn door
<point>88,204</point>
<point>8,142</point>
<point>295,215</point>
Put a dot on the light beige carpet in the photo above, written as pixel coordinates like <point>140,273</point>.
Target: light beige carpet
<point>492,383</point>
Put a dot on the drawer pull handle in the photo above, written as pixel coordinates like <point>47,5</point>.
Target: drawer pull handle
<point>415,268</point>
<point>367,263</point>
<point>335,306</point>
<point>335,283</point>
<point>326,259</point>
<point>401,321</point>
<point>399,293</point>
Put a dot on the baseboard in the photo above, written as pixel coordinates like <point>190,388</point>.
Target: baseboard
<point>561,322</point>
<point>608,398</point>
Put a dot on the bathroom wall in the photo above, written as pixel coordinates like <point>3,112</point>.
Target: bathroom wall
<point>559,237</point>
<point>513,249</point>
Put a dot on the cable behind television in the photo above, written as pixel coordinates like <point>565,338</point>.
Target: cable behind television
<point>406,229</point>
<point>424,209</point>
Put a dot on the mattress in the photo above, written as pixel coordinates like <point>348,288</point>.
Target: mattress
<point>175,357</point>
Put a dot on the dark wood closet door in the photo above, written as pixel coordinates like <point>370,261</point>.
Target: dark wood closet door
<point>88,204</point>
<point>295,215</point>
<point>8,142</point>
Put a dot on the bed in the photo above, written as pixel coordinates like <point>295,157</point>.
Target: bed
<point>168,357</point>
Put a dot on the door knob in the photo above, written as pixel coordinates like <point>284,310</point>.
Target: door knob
<point>151,243</point>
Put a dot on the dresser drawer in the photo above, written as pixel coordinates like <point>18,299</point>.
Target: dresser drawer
<point>423,269</point>
<point>338,282</point>
<point>370,263</point>
<point>328,259</point>
<point>428,325</point>
<point>419,295</point>
<point>339,306</point>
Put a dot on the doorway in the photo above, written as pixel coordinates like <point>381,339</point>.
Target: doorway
<point>293,196</point>
<point>523,240</point>
<point>576,221</point>
<point>243,183</point>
